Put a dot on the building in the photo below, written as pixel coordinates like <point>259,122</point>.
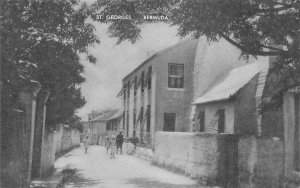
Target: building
<point>105,123</point>
<point>230,105</point>
<point>158,94</point>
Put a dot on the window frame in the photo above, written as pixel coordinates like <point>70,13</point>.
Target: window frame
<point>175,76</point>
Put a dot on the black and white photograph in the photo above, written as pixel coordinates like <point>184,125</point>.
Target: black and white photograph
<point>150,93</point>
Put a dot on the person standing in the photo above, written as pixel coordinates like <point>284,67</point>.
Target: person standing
<point>113,147</point>
<point>107,144</point>
<point>86,144</point>
<point>119,141</point>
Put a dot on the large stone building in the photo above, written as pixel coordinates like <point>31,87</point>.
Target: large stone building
<point>159,93</point>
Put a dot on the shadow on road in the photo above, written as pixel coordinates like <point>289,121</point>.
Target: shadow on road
<point>67,178</point>
<point>146,183</point>
<point>73,179</point>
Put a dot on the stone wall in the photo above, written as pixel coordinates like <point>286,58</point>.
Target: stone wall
<point>260,162</point>
<point>56,143</point>
<point>65,138</point>
<point>141,152</point>
<point>48,154</point>
<point>209,157</point>
<point>69,139</point>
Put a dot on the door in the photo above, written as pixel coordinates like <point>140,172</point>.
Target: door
<point>169,122</point>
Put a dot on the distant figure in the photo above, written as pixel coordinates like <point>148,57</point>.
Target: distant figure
<point>107,144</point>
<point>113,147</point>
<point>86,144</point>
<point>119,141</point>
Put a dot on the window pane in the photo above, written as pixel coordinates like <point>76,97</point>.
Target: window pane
<point>172,82</point>
<point>180,70</point>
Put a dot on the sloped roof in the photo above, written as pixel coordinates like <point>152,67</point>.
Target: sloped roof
<point>105,115</point>
<point>117,115</point>
<point>230,83</point>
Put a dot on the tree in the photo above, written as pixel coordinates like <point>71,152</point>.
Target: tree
<point>256,27</point>
<point>75,123</point>
<point>41,41</point>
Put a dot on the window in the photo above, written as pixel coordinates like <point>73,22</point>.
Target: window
<point>134,116</point>
<point>128,91</point>
<point>135,86</point>
<point>221,120</point>
<point>124,93</point>
<point>107,126</point>
<point>142,82</point>
<point>142,114</point>
<point>175,78</point>
<point>201,117</point>
<point>127,124</point>
<point>123,116</point>
<point>149,79</point>
<point>148,117</point>
<point>169,122</point>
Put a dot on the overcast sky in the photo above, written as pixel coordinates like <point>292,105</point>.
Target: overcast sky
<point>104,79</point>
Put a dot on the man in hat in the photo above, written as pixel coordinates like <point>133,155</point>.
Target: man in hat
<point>119,141</point>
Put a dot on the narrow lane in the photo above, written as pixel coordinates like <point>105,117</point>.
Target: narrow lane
<point>97,170</point>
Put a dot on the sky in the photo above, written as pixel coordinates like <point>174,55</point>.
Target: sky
<point>114,62</point>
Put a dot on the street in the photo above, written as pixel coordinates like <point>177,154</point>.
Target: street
<point>96,170</point>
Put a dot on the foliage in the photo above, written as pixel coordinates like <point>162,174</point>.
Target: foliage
<point>256,27</point>
<point>41,41</point>
<point>75,123</point>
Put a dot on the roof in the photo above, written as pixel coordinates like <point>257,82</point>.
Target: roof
<point>116,115</point>
<point>189,39</point>
<point>230,83</point>
<point>105,115</point>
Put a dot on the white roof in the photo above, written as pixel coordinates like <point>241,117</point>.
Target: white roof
<point>116,115</point>
<point>231,83</point>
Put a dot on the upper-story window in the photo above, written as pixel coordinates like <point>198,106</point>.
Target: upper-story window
<point>128,91</point>
<point>142,82</point>
<point>176,76</point>
<point>135,86</point>
<point>124,92</point>
<point>149,77</point>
